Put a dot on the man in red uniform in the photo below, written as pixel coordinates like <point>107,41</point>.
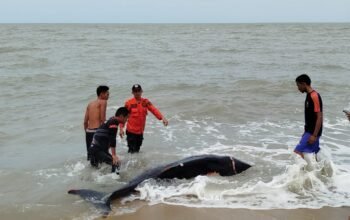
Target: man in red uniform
<point>138,108</point>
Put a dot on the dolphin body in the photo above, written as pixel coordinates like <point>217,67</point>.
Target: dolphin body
<point>186,168</point>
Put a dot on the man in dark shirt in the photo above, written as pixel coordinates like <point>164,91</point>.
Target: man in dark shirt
<point>309,142</point>
<point>105,138</point>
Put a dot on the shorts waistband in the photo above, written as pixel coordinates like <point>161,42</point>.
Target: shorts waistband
<point>91,130</point>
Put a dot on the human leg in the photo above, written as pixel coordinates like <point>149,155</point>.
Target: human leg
<point>308,151</point>
<point>94,159</point>
<point>89,134</point>
<point>134,142</point>
<point>107,158</point>
<point>305,147</point>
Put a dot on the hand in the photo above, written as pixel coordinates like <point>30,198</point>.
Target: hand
<point>311,140</point>
<point>165,122</point>
<point>115,159</point>
<point>348,115</point>
<point>121,133</point>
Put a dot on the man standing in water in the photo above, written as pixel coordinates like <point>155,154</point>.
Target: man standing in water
<point>95,115</point>
<point>138,108</point>
<point>309,143</point>
<point>105,138</point>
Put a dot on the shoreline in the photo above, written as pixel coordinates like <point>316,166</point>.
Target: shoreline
<point>172,212</point>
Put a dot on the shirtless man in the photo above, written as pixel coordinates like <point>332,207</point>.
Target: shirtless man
<point>95,115</point>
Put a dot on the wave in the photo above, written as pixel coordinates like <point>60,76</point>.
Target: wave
<point>18,49</point>
<point>225,50</point>
<point>333,67</point>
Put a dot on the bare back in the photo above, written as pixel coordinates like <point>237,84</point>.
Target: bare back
<point>95,114</point>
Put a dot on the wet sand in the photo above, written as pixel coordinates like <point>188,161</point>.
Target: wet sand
<point>169,212</point>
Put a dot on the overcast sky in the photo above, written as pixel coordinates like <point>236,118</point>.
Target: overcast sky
<point>173,11</point>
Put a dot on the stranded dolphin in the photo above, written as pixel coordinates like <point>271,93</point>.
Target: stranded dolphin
<point>186,168</point>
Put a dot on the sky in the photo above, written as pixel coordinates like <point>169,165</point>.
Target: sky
<point>173,11</point>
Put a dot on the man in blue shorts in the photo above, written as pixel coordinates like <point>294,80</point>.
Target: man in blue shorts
<point>309,143</point>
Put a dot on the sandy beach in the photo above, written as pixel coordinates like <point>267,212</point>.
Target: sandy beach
<point>169,212</point>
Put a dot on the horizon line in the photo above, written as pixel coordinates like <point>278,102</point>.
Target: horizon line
<point>182,23</point>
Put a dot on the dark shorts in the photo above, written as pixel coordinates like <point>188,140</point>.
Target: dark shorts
<point>304,147</point>
<point>134,142</point>
<point>89,134</point>
<point>98,156</point>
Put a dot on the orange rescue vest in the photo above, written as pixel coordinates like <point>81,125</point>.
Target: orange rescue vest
<point>138,112</point>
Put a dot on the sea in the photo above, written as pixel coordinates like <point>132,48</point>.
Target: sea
<point>226,89</point>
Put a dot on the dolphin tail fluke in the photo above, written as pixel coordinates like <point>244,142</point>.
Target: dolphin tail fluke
<point>98,199</point>
<point>240,166</point>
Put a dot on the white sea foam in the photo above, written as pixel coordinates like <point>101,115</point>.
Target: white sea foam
<point>75,169</point>
<point>271,146</point>
<point>295,188</point>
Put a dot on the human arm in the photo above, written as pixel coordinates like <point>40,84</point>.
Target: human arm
<point>113,129</point>
<point>86,118</point>
<point>319,118</point>
<point>121,125</point>
<point>103,109</point>
<point>156,112</point>
<point>121,130</point>
<point>317,109</point>
<point>114,156</point>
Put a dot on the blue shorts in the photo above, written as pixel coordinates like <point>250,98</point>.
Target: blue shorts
<point>304,147</point>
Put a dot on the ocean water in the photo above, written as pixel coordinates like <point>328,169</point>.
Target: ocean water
<point>226,89</point>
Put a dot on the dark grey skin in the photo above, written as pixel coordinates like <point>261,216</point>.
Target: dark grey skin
<point>187,168</point>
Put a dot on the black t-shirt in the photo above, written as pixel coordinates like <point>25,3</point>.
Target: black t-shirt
<point>313,104</point>
<point>105,136</point>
